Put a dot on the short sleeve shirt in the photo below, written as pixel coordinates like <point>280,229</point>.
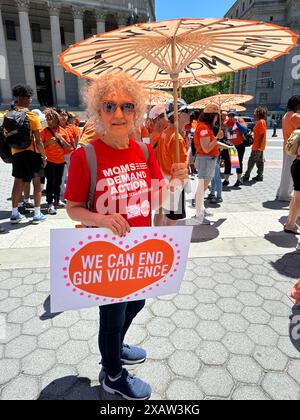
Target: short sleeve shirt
<point>35,125</point>
<point>203,131</point>
<point>260,130</point>
<point>54,152</point>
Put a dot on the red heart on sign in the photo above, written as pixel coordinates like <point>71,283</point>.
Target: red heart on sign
<point>104,269</point>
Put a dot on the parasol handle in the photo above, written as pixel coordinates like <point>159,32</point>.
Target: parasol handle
<point>176,119</point>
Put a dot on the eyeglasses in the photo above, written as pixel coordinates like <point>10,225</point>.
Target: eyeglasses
<point>111,107</point>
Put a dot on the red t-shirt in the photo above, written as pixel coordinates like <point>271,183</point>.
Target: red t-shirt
<point>234,135</point>
<point>123,181</point>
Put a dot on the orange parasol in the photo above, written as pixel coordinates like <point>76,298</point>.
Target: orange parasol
<point>179,49</point>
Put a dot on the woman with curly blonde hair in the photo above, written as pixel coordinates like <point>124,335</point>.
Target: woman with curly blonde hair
<point>126,171</point>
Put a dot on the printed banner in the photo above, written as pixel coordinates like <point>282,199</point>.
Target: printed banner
<point>92,267</point>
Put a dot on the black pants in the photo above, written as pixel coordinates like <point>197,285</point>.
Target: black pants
<point>241,149</point>
<point>115,321</point>
<point>54,173</point>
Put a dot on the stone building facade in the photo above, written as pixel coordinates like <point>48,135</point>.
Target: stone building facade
<point>34,32</point>
<point>275,82</point>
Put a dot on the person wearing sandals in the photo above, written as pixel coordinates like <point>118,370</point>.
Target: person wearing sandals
<point>116,105</point>
<point>291,226</point>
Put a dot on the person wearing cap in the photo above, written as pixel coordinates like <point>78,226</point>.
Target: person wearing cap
<point>166,153</point>
<point>236,129</point>
<point>159,122</point>
<point>206,144</point>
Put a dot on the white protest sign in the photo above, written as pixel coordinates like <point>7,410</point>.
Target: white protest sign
<point>93,267</point>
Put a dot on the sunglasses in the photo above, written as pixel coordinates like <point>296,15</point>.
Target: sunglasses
<point>111,107</point>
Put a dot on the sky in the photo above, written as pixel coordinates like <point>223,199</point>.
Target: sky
<point>172,9</point>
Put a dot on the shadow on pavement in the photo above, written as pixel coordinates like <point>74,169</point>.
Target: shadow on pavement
<point>203,233</point>
<point>288,265</point>
<point>4,214</point>
<point>73,388</point>
<point>295,328</point>
<point>48,315</point>
<point>276,205</point>
<point>282,239</point>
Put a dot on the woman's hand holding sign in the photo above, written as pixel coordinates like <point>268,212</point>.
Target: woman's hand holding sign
<point>180,173</point>
<point>116,223</point>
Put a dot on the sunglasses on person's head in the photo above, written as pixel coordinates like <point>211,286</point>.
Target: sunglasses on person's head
<point>111,107</point>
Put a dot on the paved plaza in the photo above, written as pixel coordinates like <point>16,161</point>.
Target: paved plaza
<point>231,333</point>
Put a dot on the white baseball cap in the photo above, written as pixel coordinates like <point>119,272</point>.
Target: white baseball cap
<point>156,111</point>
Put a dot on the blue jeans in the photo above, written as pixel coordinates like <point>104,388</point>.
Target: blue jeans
<point>115,321</point>
<point>216,183</point>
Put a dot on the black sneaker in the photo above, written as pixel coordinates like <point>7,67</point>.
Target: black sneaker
<point>238,184</point>
<point>226,183</point>
<point>245,179</point>
<point>23,210</point>
<point>127,386</point>
<point>258,179</point>
<point>28,205</point>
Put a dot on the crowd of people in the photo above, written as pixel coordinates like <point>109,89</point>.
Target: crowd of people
<point>137,172</point>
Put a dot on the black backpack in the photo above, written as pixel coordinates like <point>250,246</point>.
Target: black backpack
<point>16,129</point>
<point>5,150</point>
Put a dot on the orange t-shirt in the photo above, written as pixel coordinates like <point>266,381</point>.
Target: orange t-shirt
<point>290,123</point>
<point>73,134</point>
<point>166,150</point>
<point>203,131</point>
<point>54,152</point>
<point>259,130</point>
<point>144,133</point>
<point>154,139</point>
<point>235,136</point>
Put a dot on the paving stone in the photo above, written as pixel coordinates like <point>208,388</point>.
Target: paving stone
<point>270,358</point>
<point>38,362</point>
<point>256,315</point>
<point>35,326</point>
<point>93,345</point>
<point>269,293</point>
<point>281,387</point>
<point>249,393</point>
<point>89,368</point>
<point>219,267</point>
<point>208,312</point>
<point>244,369</point>
<point>294,370</point>
<point>259,270</point>
<point>286,346</point>
<point>210,330</point>
<point>143,317</point>
<point>43,286</point>
<point>190,264</point>
<point>206,296</point>
<point>226,291</point>
<point>9,369</point>
<point>4,275</point>
<point>280,325</point>
<point>21,315</point>
<point>203,271</point>
<point>24,272</point>
<point>254,260</point>
<point>21,291</point>
<point>83,330</point>
<point>184,391</point>
<point>241,274</point>
<point>66,320</point>
<point>185,339</point>
<point>212,353</point>
<point>185,319</point>
<point>250,299</point>
<point>21,388</point>
<point>189,276</point>
<point>245,285</point>
<point>12,331</point>
<point>185,364</point>
<point>10,304</point>
<point>53,338</point>
<point>215,382</point>
<point>225,278</point>
<point>277,308</point>
<point>169,298</point>
<point>230,305</point>
<point>4,294</point>
<point>136,335</point>
<point>160,327</point>
<point>205,283</point>
<point>164,309</point>
<point>72,352</point>
<point>89,314</point>
<point>156,374</point>
<point>35,299</point>
<point>262,335</point>
<point>263,280</point>
<point>237,263</point>
<point>20,347</point>
<point>188,288</point>
<point>34,278</point>
<point>159,348</point>
<point>238,343</point>
<point>185,302</point>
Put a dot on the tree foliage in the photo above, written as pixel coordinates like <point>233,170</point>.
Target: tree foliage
<point>194,94</point>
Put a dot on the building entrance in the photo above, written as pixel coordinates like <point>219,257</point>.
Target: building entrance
<point>44,85</point>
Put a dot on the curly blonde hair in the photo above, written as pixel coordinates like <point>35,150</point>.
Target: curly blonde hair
<point>114,84</point>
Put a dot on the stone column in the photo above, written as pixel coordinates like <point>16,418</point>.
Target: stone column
<point>4,70</point>
<point>54,10</point>
<point>78,14</point>
<point>100,18</point>
<point>26,41</point>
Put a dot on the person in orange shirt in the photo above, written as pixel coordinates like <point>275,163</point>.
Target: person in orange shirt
<point>259,146</point>
<point>166,156</point>
<point>290,123</point>
<point>159,122</point>
<point>57,145</point>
